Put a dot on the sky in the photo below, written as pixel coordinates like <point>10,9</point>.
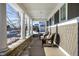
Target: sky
<point>12,14</point>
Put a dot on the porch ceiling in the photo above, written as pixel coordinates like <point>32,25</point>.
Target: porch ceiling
<point>38,11</point>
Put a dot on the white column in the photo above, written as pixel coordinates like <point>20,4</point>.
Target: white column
<point>22,26</point>
<point>28,25</point>
<point>3,30</point>
<point>31,27</point>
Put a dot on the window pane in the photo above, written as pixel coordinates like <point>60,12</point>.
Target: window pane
<point>13,24</point>
<point>42,26</point>
<point>73,10</point>
<point>63,12</point>
<point>56,17</point>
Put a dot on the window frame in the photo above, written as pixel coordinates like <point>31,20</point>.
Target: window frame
<point>55,17</point>
<point>7,17</point>
<point>66,13</point>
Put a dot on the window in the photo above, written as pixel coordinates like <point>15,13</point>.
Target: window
<point>35,27</point>
<point>42,26</point>
<point>13,24</point>
<point>56,16</point>
<point>63,12</point>
<point>48,23</point>
<point>73,10</point>
<point>50,20</point>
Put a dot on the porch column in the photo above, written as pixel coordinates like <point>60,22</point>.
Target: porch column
<point>3,30</point>
<point>22,26</point>
<point>31,27</point>
<point>28,25</point>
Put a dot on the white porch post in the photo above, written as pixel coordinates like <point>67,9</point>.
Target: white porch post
<point>22,26</point>
<point>3,30</point>
<point>28,25</point>
<point>31,27</point>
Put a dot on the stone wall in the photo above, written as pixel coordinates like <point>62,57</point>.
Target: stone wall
<point>19,49</point>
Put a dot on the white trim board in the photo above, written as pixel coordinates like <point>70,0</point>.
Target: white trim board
<point>64,51</point>
<point>68,22</point>
<point>72,21</point>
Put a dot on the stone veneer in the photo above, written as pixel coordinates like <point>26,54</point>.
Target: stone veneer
<point>68,37</point>
<point>19,49</point>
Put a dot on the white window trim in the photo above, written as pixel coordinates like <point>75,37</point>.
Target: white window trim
<point>66,11</point>
<point>59,16</point>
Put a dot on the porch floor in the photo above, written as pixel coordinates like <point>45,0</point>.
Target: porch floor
<point>36,49</point>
